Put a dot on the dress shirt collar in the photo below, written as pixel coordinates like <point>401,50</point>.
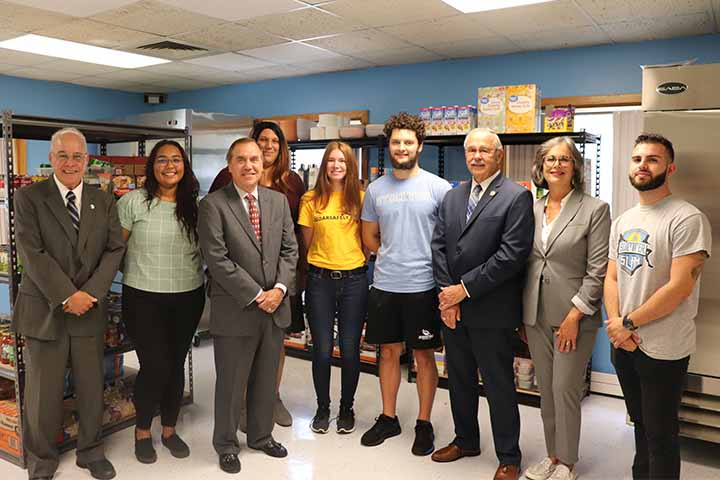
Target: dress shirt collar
<point>243,193</point>
<point>64,190</point>
<point>485,184</point>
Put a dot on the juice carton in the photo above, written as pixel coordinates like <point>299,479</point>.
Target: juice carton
<point>450,115</point>
<point>522,114</point>
<point>437,120</point>
<point>466,119</point>
<point>426,114</point>
<point>491,108</point>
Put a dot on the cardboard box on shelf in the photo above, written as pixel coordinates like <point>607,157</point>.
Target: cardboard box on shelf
<point>560,119</point>
<point>522,114</point>
<point>491,108</point>
<point>10,441</point>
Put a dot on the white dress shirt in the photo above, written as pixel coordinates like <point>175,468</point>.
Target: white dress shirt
<point>244,196</point>
<point>64,191</point>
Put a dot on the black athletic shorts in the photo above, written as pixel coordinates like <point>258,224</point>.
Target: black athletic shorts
<point>412,318</point>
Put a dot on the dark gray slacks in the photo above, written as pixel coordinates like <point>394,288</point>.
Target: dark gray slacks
<point>45,363</point>
<point>246,363</point>
<point>561,381</point>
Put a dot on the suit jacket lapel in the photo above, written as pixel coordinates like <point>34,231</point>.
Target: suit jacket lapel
<point>566,215</point>
<point>57,207</point>
<point>539,211</point>
<point>238,209</point>
<point>266,204</point>
<point>487,197</point>
<point>87,216</point>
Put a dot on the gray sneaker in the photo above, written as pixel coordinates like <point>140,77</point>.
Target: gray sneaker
<point>280,414</point>
<point>542,470</point>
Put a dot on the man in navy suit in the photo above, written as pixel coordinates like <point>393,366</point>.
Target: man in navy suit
<point>480,246</point>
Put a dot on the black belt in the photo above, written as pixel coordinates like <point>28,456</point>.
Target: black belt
<point>336,274</point>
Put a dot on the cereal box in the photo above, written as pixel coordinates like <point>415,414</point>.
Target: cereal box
<point>491,108</point>
<point>560,119</point>
<point>450,120</point>
<point>426,114</point>
<point>522,114</point>
<point>466,119</point>
<point>437,121</point>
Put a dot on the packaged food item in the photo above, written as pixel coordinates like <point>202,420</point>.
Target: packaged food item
<point>466,119</point>
<point>522,114</point>
<point>450,115</point>
<point>140,181</point>
<point>122,184</point>
<point>437,121</point>
<point>426,115</point>
<point>559,119</point>
<point>491,108</point>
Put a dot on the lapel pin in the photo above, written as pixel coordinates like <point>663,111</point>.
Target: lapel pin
<point>492,193</point>
<point>92,206</point>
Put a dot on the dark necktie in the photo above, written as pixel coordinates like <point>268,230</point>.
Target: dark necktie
<point>473,201</point>
<point>254,216</point>
<point>72,210</point>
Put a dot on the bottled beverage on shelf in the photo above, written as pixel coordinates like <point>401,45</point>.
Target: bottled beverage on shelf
<point>312,175</point>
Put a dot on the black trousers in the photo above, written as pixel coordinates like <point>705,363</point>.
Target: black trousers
<point>161,325</point>
<point>491,351</point>
<point>653,389</point>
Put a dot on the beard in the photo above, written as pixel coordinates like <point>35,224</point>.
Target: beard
<point>652,184</point>
<point>409,165</point>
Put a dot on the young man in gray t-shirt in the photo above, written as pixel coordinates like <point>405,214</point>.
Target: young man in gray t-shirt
<point>652,287</point>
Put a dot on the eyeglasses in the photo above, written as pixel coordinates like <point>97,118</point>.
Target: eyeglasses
<point>482,151</point>
<point>164,162</point>
<point>563,161</point>
<point>64,157</point>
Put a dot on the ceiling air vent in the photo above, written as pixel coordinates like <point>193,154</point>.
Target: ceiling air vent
<point>170,45</point>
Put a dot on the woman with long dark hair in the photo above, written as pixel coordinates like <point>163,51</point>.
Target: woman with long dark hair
<point>337,279</point>
<point>163,296</point>
<point>278,176</point>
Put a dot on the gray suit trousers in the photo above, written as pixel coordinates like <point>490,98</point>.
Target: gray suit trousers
<point>246,362</point>
<point>43,415</point>
<point>561,379</point>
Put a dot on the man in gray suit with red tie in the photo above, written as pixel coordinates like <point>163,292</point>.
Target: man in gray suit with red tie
<point>481,243</point>
<point>248,240</point>
<point>70,245</point>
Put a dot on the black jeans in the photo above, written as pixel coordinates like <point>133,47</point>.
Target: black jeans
<point>653,389</point>
<point>161,325</point>
<point>325,298</point>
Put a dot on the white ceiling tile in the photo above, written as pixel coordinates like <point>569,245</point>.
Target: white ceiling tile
<point>184,69</point>
<point>20,18</point>
<point>77,8</point>
<point>230,37</point>
<point>12,57</point>
<point>230,61</point>
<point>135,76</point>
<point>80,68</point>
<point>617,11</point>
<point>568,38</point>
<point>334,65</point>
<point>304,24</point>
<point>556,15</point>
<point>400,56</point>
<point>427,33</point>
<point>378,13</point>
<point>44,74</point>
<point>271,73</point>
<point>154,17</point>
<point>100,82</point>
<point>238,10</point>
<point>289,53</point>
<point>360,41</point>
<point>475,48</point>
<point>8,34</point>
<point>656,28</point>
<point>5,69</point>
<point>140,88</point>
<point>100,34</point>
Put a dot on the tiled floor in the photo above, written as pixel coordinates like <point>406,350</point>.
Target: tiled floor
<point>606,449</point>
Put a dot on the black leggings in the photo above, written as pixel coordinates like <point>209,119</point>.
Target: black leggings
<point>161,325</point>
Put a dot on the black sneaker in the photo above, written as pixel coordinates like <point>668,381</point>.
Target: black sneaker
<point>424,438</point>
<point>384,428</point>
<point>321,421</point>
<point>346,420</point>
<point>144,450</point>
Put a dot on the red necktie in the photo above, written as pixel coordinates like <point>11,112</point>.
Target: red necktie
<point>254,216</point>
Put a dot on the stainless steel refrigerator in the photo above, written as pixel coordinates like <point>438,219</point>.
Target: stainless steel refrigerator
<point>683,104</point>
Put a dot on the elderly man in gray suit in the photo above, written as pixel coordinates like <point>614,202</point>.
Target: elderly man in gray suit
<point>69,241</point>
<point>248,240</point>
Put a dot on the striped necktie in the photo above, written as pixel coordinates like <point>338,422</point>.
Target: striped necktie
<point>72,210</point>
<point>473,201</point>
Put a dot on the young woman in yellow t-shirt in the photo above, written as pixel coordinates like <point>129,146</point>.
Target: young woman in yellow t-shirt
<point>337,284</point>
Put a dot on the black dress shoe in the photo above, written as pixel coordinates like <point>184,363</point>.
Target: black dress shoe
<point>229,463</point>
<point>273,449</point>
<point>100,469</point>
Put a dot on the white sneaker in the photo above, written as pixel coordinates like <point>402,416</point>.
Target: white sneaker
<point>541,470</point>
<point>563,473</point>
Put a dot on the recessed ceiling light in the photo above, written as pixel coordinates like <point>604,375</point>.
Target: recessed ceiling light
<point>472,6</point>
<point>54,47</point>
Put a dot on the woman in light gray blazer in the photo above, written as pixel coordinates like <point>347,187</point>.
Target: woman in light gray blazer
<point>561,300</point>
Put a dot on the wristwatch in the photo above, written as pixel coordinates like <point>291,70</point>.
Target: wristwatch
<point>628,323</point>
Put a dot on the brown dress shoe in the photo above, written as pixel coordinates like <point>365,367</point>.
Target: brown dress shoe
<point>453,452</point>
<point>507,472</point>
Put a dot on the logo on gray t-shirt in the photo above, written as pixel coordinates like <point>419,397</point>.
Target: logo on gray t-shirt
<point>634,250</point>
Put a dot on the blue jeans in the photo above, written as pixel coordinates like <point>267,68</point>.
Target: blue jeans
<point>325,298</point>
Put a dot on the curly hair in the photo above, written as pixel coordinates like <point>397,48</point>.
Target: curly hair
<point>405,121</point>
